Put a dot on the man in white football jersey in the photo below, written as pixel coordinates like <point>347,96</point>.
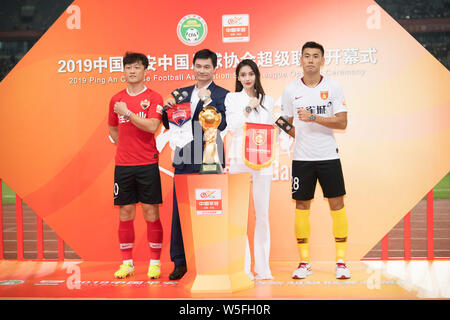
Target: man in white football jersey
<point>315,105</point>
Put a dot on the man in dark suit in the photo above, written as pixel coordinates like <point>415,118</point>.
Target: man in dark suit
<point>188,159</point>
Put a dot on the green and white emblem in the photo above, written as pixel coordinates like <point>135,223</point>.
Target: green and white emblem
<point>192,30</point>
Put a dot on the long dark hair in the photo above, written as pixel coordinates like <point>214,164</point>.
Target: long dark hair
<point>258,87</point>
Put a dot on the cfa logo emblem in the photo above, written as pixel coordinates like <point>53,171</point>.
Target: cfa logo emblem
<point>192,30</point>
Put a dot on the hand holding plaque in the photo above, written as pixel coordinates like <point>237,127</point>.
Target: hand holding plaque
<point>284,125</point>
<point>210,119</point>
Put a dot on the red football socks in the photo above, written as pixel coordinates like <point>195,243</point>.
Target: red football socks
<point>126,239</point>
<point>154,237</point>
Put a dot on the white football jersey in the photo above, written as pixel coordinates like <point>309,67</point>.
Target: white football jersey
<point>313,141</point>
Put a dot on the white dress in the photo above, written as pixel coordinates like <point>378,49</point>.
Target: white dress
<point>235,103</point>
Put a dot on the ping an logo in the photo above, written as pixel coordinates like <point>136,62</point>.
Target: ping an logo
<point>207,194</point>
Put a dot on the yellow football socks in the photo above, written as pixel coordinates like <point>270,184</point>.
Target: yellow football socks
<point>340,232</point>
<point>302,229</point>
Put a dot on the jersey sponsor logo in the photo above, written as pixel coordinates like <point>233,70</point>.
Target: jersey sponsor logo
<point>324,95</point>
<point>192,30</point>
<point>296,98</point>
<point>145,104</point>
<point>123,119</point>
<point>322,109</point>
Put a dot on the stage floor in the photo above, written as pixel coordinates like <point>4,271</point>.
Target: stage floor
<point>371,280</point>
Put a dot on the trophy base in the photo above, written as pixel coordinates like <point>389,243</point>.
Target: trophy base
<point>213,168</point>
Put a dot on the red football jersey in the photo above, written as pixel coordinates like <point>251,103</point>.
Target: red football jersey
<point>136,147</point>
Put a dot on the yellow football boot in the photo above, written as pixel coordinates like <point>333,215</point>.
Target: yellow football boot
<point>124,271</point>
<point>154,271</point>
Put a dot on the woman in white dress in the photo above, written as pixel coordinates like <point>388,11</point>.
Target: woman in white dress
<point>250,104</point>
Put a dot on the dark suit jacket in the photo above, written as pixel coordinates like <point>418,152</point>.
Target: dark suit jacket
<point>189,158</point>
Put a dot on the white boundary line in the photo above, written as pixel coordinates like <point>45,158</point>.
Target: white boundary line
<point>169,173</point>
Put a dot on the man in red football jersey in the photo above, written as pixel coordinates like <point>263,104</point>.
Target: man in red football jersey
<point>134,117</point>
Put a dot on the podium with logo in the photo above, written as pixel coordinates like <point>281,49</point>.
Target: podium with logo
<point>213,214</point>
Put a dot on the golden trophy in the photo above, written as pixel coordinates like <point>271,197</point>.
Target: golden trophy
<point>210,119</point>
